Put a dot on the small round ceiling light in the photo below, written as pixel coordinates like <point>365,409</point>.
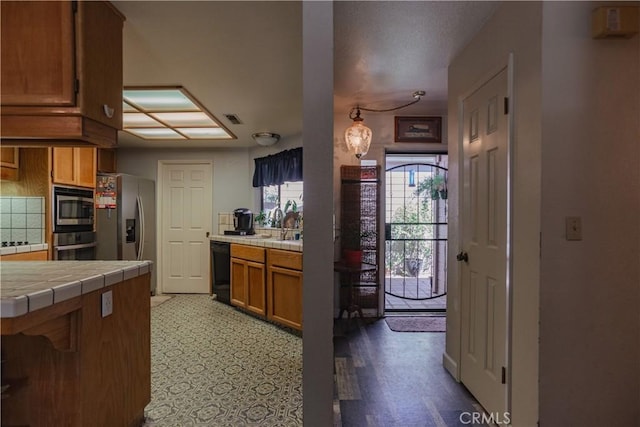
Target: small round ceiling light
<point>266,138</point>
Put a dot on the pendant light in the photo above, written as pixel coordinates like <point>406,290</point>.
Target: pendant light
<point>358,136</point>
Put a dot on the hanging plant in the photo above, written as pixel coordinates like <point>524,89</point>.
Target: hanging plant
<point>435,186</point>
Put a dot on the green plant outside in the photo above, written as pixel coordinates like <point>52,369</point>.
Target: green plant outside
<point>408,224</point>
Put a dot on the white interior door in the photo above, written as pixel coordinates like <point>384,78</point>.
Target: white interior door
<point>483,256</point>
<point>186,221</point>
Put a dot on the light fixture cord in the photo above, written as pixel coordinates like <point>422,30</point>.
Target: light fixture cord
<point>417,95</point>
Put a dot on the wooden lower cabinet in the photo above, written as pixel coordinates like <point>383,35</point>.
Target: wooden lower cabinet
<point>26,256</point>
<point>66,365</point>
<point>284,288</point>
<point>268,282</point>
<point>248,288</point>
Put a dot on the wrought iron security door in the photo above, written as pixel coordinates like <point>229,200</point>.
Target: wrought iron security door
<point>416,237</point>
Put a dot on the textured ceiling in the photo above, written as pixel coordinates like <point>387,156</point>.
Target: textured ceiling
<point>245,58</point>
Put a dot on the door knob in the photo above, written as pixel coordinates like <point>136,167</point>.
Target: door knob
<point>208,234</point>
<point>463,256</point>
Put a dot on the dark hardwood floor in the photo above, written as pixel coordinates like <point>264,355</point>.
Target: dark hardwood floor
<point>385,378</point>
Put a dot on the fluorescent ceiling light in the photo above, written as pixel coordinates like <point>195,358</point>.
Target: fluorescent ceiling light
<point>159,100</point>
<point>185,119</point>
<point>203,133</point>
<point>168,113</point>
<point>155,133</point>
<point>140,120</point>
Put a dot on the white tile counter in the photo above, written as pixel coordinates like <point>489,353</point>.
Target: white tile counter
<point>26,286</point>
<point>23,248</point>
<point>258,240</point>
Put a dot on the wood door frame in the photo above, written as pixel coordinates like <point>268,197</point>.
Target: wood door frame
<point>508,65</point>
<point>162,165</point>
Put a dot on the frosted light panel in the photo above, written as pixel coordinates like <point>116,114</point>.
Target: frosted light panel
<point>126,108</point>
<point>139,120</point>
<point>159,100</point>
<point>157,133</point>
<point>185,119</point>
<point>172,112</point>
<point>204,133</point>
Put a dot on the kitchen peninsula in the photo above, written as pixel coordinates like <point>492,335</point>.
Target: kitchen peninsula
<point>75,342</point>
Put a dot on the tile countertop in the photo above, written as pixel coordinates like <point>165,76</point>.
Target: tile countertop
<point>26,286</point>
<point>23,248</point>
<point>258,240</point>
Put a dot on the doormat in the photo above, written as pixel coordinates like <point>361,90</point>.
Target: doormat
<point>417,323</point>
<point>156,300</point>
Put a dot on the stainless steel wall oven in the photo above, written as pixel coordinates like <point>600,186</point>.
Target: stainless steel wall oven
<point>74,246</point>
<point>74,237</point>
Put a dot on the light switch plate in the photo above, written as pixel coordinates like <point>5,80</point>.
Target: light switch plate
<point>573,228</point>
<point>107,303</point>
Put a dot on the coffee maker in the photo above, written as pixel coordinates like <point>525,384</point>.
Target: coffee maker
<point>243,222</point>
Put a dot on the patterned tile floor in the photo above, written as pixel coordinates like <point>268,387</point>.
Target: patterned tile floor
<point>214,366</point>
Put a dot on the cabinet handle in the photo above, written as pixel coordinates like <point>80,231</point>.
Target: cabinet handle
<point>108,111</point>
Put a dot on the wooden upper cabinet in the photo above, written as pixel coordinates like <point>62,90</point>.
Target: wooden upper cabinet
<point>100,59</point>
<point>37,53</point>
<point>74,166</point>
<point>9,163</point>
<point>107,160</point>
<point>61,72</point>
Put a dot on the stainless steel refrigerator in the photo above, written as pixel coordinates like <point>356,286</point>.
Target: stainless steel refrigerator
<point>126,219</point>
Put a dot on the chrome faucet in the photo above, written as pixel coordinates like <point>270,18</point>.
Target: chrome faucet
<point>283,232</point>
<point>277,220</point>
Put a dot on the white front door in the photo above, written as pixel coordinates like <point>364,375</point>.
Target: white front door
<point>186,221</point>
<point>483,256</point>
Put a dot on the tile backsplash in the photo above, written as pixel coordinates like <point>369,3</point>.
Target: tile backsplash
<point>22,219</point>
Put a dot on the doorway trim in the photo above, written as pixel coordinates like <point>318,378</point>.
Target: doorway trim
<point>162,165</point>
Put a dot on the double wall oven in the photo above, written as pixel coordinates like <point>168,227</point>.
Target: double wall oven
<point>74,237</point>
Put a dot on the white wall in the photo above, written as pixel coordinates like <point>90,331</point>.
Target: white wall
<point>232,170</point>
<point>589,289</point>
<point>576,153</point>
<point>231,177</point>
<point>514,28</point>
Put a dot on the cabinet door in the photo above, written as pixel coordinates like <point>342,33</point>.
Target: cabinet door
<point>256,289</point>
<point>285,297</point>
<point>63,166</point>
<point>9,157</point>
<point>100,56</point>
<point>36,37</point>
<point>9,163</point>
<point>74,166</point>
<point>85,164</point>
<point>106,160</point>
<point>238,282</point>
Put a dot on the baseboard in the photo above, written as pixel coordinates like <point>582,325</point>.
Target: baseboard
<point>451,366</point>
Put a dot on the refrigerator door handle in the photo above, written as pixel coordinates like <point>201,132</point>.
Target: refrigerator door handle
<point>140,207</point>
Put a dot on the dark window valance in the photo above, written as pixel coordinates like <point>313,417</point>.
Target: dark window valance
<point>278,168</point>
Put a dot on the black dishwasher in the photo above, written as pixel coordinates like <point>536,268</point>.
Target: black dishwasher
<point>221,264</point>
